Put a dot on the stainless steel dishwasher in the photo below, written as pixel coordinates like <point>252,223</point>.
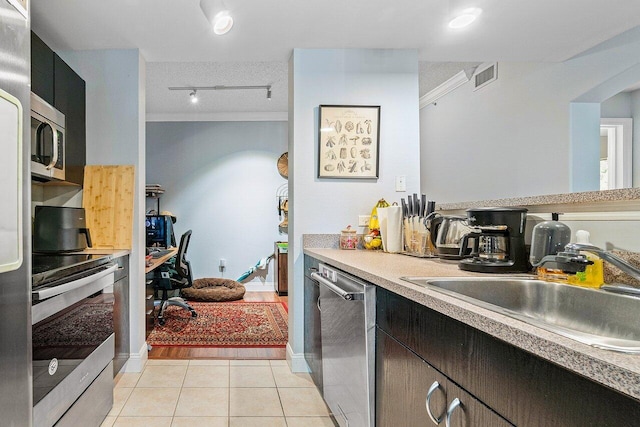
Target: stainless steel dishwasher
<point>347,317</point>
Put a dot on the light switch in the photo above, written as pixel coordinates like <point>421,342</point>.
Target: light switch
<point>401,183</point>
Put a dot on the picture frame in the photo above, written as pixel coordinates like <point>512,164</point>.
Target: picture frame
<point>349,141</point>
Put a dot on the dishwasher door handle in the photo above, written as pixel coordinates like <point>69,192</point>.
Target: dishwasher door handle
<point>346,295</point>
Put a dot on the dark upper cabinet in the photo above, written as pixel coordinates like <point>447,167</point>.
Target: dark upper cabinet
<point>69,98</point>
<point>55,82</point>
<point>41,69</point>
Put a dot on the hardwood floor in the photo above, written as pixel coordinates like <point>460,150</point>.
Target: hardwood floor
<point>159,352</point>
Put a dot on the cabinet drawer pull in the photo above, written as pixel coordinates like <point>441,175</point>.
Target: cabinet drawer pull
<point>318,304</point>
<point>452,407</point>
<point>433,388</point>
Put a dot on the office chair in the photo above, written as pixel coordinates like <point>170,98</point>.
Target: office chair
<point>174,275</point>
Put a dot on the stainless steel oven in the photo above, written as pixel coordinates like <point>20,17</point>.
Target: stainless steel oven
<point>47,141</point>
<point>73,340</point>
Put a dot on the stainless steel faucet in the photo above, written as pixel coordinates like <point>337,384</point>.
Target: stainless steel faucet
<point>575,248</point>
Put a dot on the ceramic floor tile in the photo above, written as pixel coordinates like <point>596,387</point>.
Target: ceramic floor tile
<point>167,362</point>
<point>206,376</point>
<point>285,378</point>
<point>108,421</point>
<point>278,363</point>
<point>143,422</point>
<point>251,376</point>
<point>151,402</point>
<point>127,379</point>
<point>257,422</point>
<point>310,422</point>
<point>302,402</point>
<point>255,402</point>
<point>249,362</point>
<point>162,376</point>
<point>210,362</point>
<point>120,396</point>
<point>200,422</point>
<point>206,402</point>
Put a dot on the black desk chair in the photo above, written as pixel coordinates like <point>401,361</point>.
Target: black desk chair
<point>174,275</point>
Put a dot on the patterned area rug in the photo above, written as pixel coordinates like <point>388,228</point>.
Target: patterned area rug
<point>224,324</point>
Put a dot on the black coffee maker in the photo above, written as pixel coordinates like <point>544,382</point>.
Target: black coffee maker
<point>498,241</point>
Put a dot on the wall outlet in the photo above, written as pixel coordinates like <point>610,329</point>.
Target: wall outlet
<point>401,183</point>
<point>363,220</point>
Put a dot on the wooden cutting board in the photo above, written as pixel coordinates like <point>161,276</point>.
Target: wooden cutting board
<point>108,201</point>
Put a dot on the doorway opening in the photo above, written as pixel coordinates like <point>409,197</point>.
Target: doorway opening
<point>616,136</point>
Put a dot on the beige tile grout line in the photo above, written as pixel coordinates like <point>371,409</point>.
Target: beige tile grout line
<point>180,392</point>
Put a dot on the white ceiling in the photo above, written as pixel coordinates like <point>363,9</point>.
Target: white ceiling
<point>265,32</point>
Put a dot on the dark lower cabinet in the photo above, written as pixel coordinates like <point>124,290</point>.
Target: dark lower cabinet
<point>403,384</point>
<point>312,339</point>
<point>121,314</point>
<point>522,388</point>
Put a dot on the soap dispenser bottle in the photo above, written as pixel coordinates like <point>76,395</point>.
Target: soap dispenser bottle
<point>593,275</point>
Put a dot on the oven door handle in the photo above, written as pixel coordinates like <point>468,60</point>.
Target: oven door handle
<point>66,287</point>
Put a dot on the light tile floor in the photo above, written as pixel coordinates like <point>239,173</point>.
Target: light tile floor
<point>217,393</point>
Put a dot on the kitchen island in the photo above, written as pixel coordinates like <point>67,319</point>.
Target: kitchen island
<point>518,341</point>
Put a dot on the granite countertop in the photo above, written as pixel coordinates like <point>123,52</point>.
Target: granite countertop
<point>616,370</point>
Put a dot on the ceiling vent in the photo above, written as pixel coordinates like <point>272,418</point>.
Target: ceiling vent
<point>484,75</point>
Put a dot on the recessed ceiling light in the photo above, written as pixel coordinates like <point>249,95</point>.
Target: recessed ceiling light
<point>466,17</point>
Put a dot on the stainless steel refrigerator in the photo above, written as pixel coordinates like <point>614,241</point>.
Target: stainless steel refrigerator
<point>15,217</point>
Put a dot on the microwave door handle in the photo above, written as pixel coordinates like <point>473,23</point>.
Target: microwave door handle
<point>54,157</point>
<point>40,143</point>
<point>40,140</point>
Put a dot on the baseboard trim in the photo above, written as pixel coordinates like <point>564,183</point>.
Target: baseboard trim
<point>296,361</point>
<point>137,360</point>
<point>260,287</point>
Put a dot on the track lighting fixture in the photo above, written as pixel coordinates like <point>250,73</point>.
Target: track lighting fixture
<point>220,17</point>
<point>194,90</point>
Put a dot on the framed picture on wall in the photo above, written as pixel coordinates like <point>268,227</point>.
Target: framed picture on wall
<point>348,141</point>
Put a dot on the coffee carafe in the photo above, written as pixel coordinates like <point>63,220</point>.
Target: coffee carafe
<point>447,234</point>
<point>498,241</point>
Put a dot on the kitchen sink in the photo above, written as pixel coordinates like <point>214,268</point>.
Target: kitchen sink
<point>591,316</point>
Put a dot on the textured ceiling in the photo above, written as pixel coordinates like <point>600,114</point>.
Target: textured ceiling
<point>265,33</point>
<point>162,75</point>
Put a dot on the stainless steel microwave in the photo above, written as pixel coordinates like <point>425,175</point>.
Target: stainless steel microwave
<point>47,141</point>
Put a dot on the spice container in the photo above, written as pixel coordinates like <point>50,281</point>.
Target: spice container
<point>348,238</point>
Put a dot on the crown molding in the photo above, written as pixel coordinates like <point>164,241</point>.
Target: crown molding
<point>266,116</point>
<point>434,94</point>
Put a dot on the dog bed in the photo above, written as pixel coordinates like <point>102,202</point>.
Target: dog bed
<point>214,289</point>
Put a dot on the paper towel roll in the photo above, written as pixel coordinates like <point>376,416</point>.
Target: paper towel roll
<point>391,228</point>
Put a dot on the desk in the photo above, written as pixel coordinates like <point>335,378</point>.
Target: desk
<point>156,262</point>
<point>149,308</point>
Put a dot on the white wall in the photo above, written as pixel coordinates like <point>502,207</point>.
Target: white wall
<point>115,85</point>
<point>388,78</point>
<point>220,180</point>
<point>512,138</point>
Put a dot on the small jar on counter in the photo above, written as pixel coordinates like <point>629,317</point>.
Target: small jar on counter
<point>348,238</point>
